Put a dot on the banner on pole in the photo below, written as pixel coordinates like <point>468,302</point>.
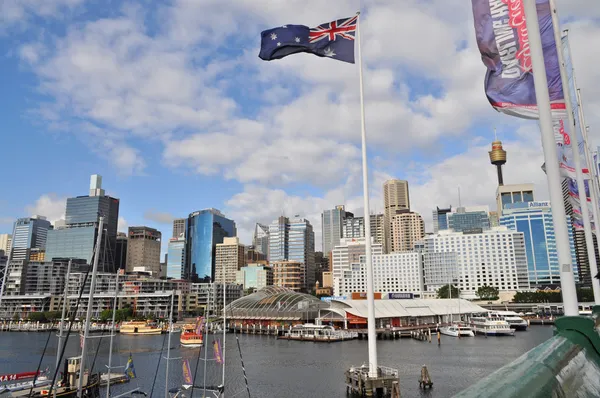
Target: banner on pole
<point>503,42</point>
<point>187,374</point>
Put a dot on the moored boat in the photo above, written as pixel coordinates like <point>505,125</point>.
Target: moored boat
<point>491,326</point>
<point>190,336</point>
<point>140,328</point>
<point>320,333</point>
<point>513,319</point>
<point>457,330</point>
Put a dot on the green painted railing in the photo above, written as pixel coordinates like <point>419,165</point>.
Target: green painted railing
<point>567,365</point>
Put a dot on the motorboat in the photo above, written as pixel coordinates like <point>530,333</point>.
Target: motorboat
<point>140,328</point>
<point>513,319</point>
<point>457,331</point>
<point>190,336</point>
<point>323,333</point>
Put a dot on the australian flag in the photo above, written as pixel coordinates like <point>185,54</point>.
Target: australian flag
<point>332,39</point>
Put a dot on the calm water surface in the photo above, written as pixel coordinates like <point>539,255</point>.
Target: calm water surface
<point>280,368</point>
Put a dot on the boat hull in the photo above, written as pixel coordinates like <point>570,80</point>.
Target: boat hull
<point>463,333</point>
<point>498,332</point>
<point>142,332</point>
<point>519,327</point>
<point>90,391</point>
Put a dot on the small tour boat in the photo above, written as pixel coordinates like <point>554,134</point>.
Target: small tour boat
<point>140,328</point>
<point>189,336</point>
<point>322,333</point>
<point>491,326</point>
<point>513,319</point>
<point>457,330</point>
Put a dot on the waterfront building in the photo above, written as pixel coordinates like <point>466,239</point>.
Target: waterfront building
<point>534,220</point>
<point>395,198</point>
<point>439,269</point>
<point>469,219</point>
<point>332,224</point>
<point>176,258</point>
<point>348,252</point>
<point>260,239</point>
<point>293,240</point>
<point>29,233</point>
<point>440,219</point>
<point>15,278</point>
<point>179,227</point>
<point>50,276</point>
<point>255,276</point>
<point>143,250</point>
<point>76,238</point>
<point>494,258</point>
<point>5,243</point>
<point>121,251</point>
<point>393,272</point>
<point>513,193</point>
<point>407,228</point>
<point>229,258</point>
<point>205,229</point>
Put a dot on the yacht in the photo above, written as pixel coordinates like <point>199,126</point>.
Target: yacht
<point>457,331</point>
<point>513,319</point>
<point>491,326</point>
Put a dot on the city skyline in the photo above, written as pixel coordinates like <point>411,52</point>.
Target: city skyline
<point>157,146</point>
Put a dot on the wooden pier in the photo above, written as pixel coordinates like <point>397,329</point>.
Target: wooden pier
<point>360,384</point>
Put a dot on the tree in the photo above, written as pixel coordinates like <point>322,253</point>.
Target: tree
<point>105,315</point>
<point>16,318</point>
<point>52,316</point>
<point>36,317</point>
<point>443,292</point>
<point>486,292</point>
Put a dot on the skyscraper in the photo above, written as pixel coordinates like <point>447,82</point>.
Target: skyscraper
<point>513,193</point>
<point>469,220</point>
<point>260,240</point>
<point>395,198</point>
<point>407,229</point>
<point>176,258</point>
<point>440,219</point>
<point>229,258</point>
<point>5,243</point>
<point>534,220</point>
<point>143,250</point>
<point>354,227</point>
<point>332,224</point>
<point>179,227</point>
<point>294,240</point>
<point>205,228</point>
<point>29,233</point>
<point>121,251</point>
<point>77,237</point>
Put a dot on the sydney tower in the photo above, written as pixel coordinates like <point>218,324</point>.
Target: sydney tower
<point>498,158</point>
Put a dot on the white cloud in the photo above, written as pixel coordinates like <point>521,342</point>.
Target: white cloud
<point>159,217</point>
<point>19,12</point>
<point>50,206</point>
<point>122,224</point>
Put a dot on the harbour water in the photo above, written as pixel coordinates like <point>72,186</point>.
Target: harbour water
<point>280,368</point>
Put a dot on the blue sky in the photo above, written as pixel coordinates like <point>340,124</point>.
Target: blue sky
<point>169,102</point>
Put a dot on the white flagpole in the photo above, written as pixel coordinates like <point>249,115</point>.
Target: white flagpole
<point>587,226</point>
<point>552,171</point>
<point>372,333</point>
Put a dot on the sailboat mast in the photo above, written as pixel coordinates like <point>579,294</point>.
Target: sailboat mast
<point>224,330</point>
<point>112,334</point>
<point>61,325</point>
<point>88,315</point>
<point>169,345</point>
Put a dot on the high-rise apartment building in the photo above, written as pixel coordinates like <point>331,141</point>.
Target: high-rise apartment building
<point>347,254</point>
<point>260,239</point>
<point>5,242</point>
<point>332,224</point>
<point>354,227</point>
<point>229,258</point>
<point>469,219</point>
<point>440,219</point>
<point>407,228</point>
<point>293,240</point>
<point>581,254</point>
<point>179,227</point>
<point>494,258</point>
<point>513,193</point>
<point>396,198</point>
<point>143,250</point>
<point>176,258</point>
<point>534,220</point>
<point>290,274</point>
<point>29,233</point>
<point>76,238</point>
<point>205,229</point>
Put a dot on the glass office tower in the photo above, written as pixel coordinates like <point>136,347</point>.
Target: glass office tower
<point>205,229</point>
<point>176,258</point>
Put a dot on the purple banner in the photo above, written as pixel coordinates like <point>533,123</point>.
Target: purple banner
<point>503,41</point>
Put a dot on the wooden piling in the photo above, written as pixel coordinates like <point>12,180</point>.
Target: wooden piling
<point>439,336</point>
<point>425,379</point>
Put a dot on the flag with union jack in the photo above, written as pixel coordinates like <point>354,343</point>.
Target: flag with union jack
<point>333,40</point>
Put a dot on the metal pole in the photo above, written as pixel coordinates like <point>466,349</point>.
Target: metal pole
<point>112,335</point>
<point>224,320</point>
<point>372,333</point>
<point>62,322</point>
<point>587,226</point>
<point>5,276</point>
<point>86,330</point>
<point>549,145</point>
<point>169,345</point>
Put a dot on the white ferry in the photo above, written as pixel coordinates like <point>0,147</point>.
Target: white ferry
<point>513,319</point>
<point>491,326</point>
<point>321,333</point>
<point>457,330</point>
